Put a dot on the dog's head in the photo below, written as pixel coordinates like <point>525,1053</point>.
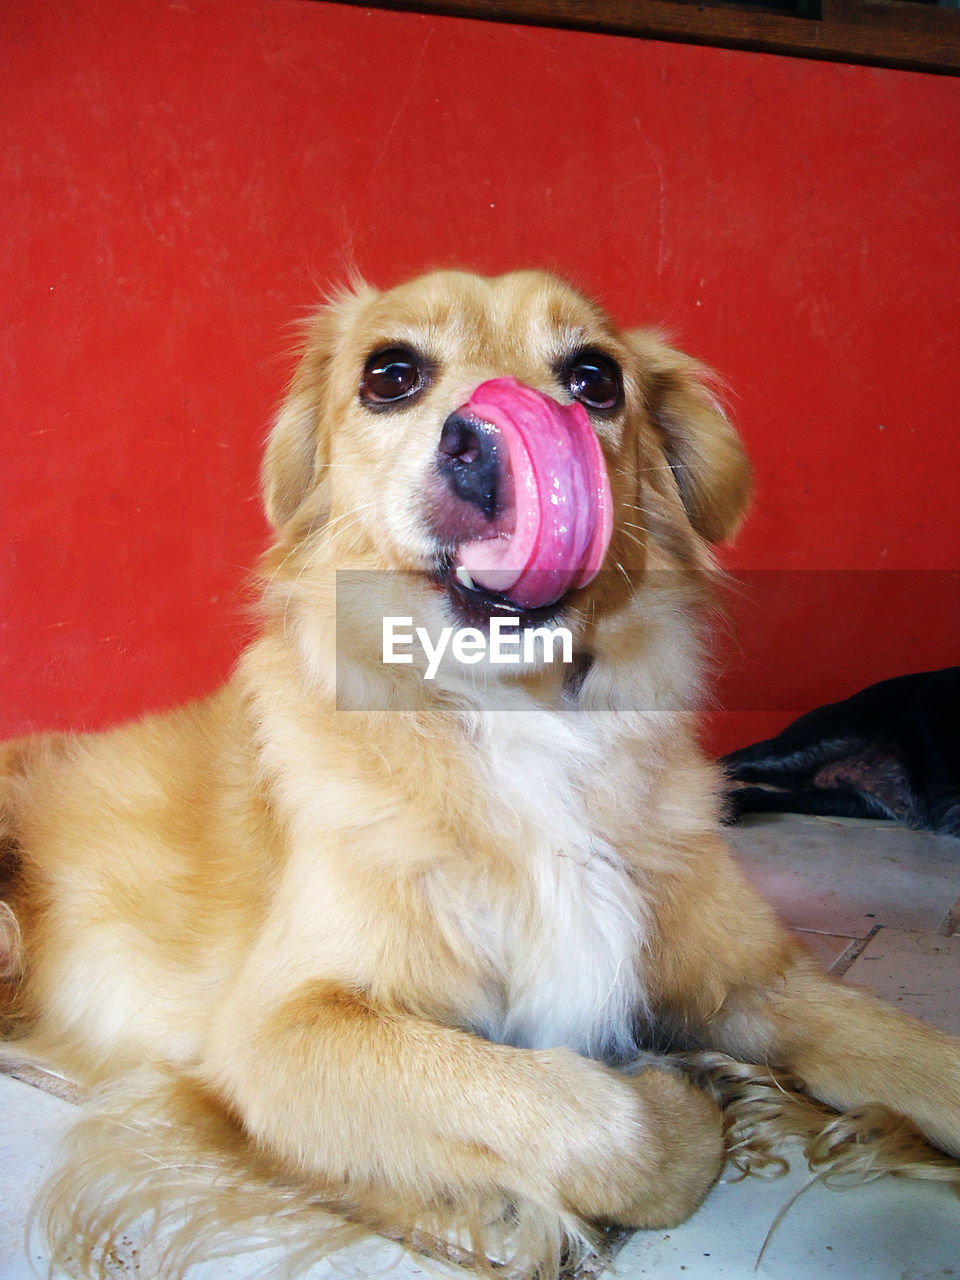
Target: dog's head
<point>503,446</point>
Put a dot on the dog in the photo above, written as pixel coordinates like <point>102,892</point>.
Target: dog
<point>415,947</point>
<point>890,751</point>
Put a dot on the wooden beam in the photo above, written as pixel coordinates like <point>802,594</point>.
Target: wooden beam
<point>891,33</point>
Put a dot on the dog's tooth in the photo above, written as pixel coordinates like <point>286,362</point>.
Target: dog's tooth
<point>464,577</point>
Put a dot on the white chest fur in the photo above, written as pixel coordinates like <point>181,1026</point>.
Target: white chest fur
<point>568,942</point>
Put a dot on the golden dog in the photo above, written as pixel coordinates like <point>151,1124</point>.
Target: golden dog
<point>413,939</point>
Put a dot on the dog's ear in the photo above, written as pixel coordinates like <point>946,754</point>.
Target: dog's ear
<point>706,457</point>
<point>295,456</point>
<point>295,462</point>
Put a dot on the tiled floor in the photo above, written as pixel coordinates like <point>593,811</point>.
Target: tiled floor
<point>879,904</point>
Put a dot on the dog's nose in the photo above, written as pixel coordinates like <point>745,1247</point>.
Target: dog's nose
<point>469,459</point>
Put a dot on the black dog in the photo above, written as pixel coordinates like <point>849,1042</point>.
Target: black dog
<point>891,751</point>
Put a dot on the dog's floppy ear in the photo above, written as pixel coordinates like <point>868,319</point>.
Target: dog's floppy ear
<point>295,461</point>
<point>296,455</point>
<point>707,460</point>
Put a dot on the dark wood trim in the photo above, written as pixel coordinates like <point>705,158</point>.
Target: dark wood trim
<point>888,33</point>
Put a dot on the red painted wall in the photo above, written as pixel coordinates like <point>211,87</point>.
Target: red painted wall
<point>181,180</point>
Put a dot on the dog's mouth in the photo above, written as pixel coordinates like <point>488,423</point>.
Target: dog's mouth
<point>474,606</point>
<point>523,507</point>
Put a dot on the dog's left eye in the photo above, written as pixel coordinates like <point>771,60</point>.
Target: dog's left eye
<point>391,375</point>
<point>594,379</point>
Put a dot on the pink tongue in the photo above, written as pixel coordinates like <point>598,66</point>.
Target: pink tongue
<point>563,506</point>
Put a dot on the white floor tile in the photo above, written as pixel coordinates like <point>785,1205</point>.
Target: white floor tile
<point>31,1123</point>
<point>890,1230</point>
<point>917,970</point>
<point>844,876</point>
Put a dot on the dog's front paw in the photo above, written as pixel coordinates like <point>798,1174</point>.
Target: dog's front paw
<point>654,1161</point>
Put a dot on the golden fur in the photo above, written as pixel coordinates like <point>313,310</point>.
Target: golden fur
<point>405,961</point>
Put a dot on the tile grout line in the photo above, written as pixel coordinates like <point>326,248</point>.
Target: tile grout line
<point>824,933</point>
<point>853,952</point>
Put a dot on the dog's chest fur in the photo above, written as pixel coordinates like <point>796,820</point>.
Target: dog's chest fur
<point>565,933</point>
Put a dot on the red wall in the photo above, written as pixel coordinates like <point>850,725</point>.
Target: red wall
<point>181,180</point>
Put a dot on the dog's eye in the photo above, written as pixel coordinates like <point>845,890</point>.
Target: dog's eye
<point>594,379</point>
<point>391,375</point>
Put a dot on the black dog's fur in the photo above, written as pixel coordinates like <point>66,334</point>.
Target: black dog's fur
<point>891,751</point>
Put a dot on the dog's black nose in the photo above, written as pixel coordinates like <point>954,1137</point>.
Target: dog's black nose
<point>469,460</point>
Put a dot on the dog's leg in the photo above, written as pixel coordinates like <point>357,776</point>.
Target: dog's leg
<point>849,1048</point>
<point>390,1109</point>
<point>842,802</point>
<point>794,755</point>
<point>734,980</point>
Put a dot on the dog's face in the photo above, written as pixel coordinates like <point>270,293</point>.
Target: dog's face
<point>449,429</point>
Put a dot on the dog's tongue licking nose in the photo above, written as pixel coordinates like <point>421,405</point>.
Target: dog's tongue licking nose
<point>563,509</point>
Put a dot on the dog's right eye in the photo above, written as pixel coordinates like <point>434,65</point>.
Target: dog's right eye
<point>391,375</point>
